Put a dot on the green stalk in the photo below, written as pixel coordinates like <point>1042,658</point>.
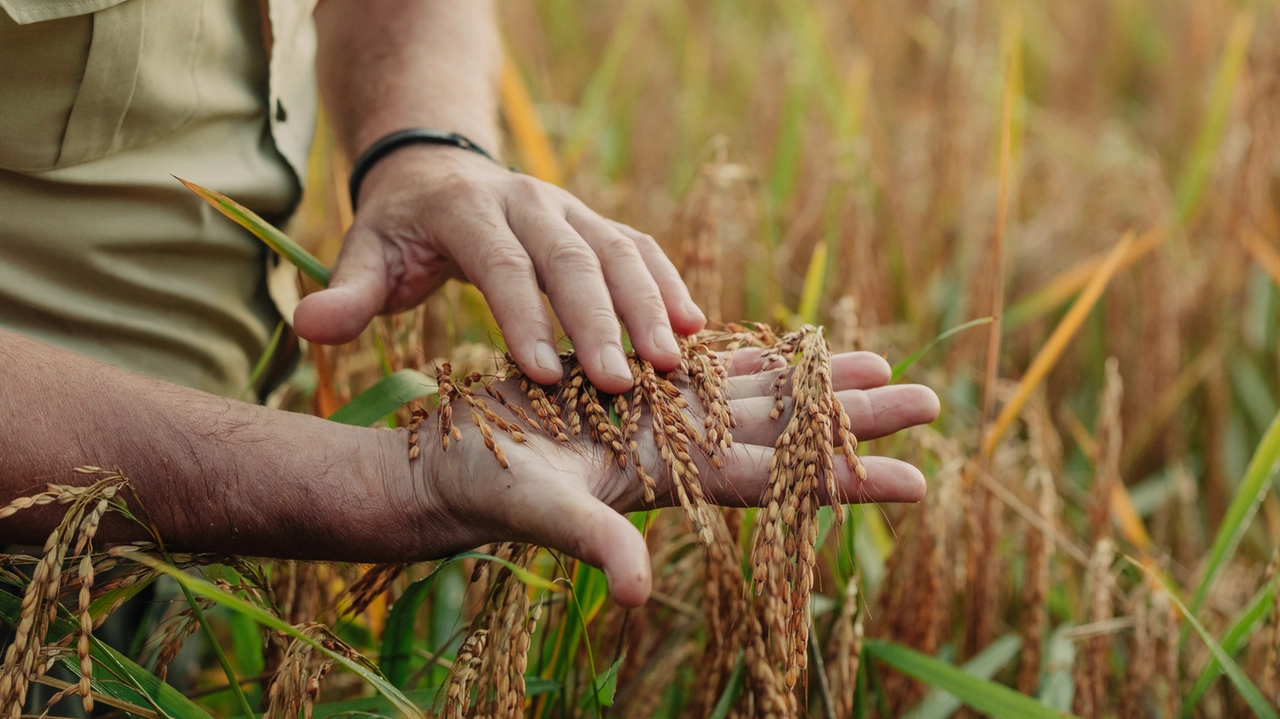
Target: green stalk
<point>241,699</point>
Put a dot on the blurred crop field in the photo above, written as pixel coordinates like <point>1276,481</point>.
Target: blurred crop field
<point>1101,178</point>
<point>1077,200</point>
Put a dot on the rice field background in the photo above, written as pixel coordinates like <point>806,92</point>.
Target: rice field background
<point>1077,201</point>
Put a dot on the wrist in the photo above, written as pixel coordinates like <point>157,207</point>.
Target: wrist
<point>409,521</point>
<point>421,166</point>
<point>400,141</point>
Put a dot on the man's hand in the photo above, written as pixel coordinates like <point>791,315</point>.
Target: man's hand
<point>569,496</point>
<point>215,475</point>
<point>428,213</point>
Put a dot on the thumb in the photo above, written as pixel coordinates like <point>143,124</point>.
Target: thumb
<point>357,291</point>
<point>590,530</point>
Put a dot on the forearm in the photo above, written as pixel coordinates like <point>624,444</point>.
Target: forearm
<point>211,473</point>
<point>386,65</point>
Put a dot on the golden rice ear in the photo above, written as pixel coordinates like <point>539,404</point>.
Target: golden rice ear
<point>494,656</point>
<point>55,572</point>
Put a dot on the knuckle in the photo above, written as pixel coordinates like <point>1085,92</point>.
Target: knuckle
<point>645,301</point>
<point>615,245</point>
<point>573,256</point>
<point>511,262</point>
<point>462,191</point>
<point>528,190</point>
<point>645,240</point>
<point>603,317</point>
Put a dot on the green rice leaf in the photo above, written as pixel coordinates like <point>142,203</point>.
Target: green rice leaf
<point>1232,641</point>
<point>378,706</point>
<point>384,397</point>
<point>275,239</point>
<point>209,591</point>
<point>1249,495</point>
<point>731,690</point>
<point>397,636</point>
<point>940,704</point>
<point>114,675</point>
<point>264,360</point>
<point>900,368</point>
<point>606,686</point>
<point>814,283</point>
<point>1057,686</point>
<point>1252,696</point>
<point>993,699</point>
<point>1198,165</point>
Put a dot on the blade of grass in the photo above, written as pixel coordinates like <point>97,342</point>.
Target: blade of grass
<point>900,368</point>
<point>98,698</point>
<point>232,680</point>
<point>605,688</point>
<point>1056,684</point>
<point>1062,287</point>
<point>994,699</point>
<point>377,706</point>
<point>788,147</point>
<point>737,678</point>
<point>264,360</point>
<point>814,282</point>
<point>397,644</point>
<point>1198,167</point>
<point>384,397</point>
<point>147,693</point>
<point>526,127</point>
<point>275,239</point>
<point>940,704</point>
<point>205,589</point>
<point>1232,641</point>
<point>595,106</point>
<point>1053,348</point>
<point>1011,36</point>
<point>1252,696</point>
<point>1248,497</point>
<point>397,638</point>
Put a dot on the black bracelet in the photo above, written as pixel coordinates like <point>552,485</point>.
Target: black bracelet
<point>398,139</point>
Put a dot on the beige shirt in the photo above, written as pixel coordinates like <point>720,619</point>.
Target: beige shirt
<point>102,102</point>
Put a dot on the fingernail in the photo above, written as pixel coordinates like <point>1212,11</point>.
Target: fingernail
<point>614,362</point>
<point>664,340</point>
<point>693,309</point>
<point>548,358</point>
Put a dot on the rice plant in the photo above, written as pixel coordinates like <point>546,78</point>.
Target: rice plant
<point>1062,217</point>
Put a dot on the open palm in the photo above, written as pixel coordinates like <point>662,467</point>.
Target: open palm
<point>570,495</point>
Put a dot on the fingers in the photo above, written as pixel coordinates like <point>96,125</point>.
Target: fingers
<point>496,262</point>
<point>850,370</point>
<point>745,477</point>
<point>572,277</point>
<point>358,288</point>
<point>635,292</point>
<point>586,528</point>
<point>872,413</point>
<point>686,318</point>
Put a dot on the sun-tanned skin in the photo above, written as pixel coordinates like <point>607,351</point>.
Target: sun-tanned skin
<point>225,476</point>
<point>426,213</point>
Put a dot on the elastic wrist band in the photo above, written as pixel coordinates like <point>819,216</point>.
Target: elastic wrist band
<point>400,138</point>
